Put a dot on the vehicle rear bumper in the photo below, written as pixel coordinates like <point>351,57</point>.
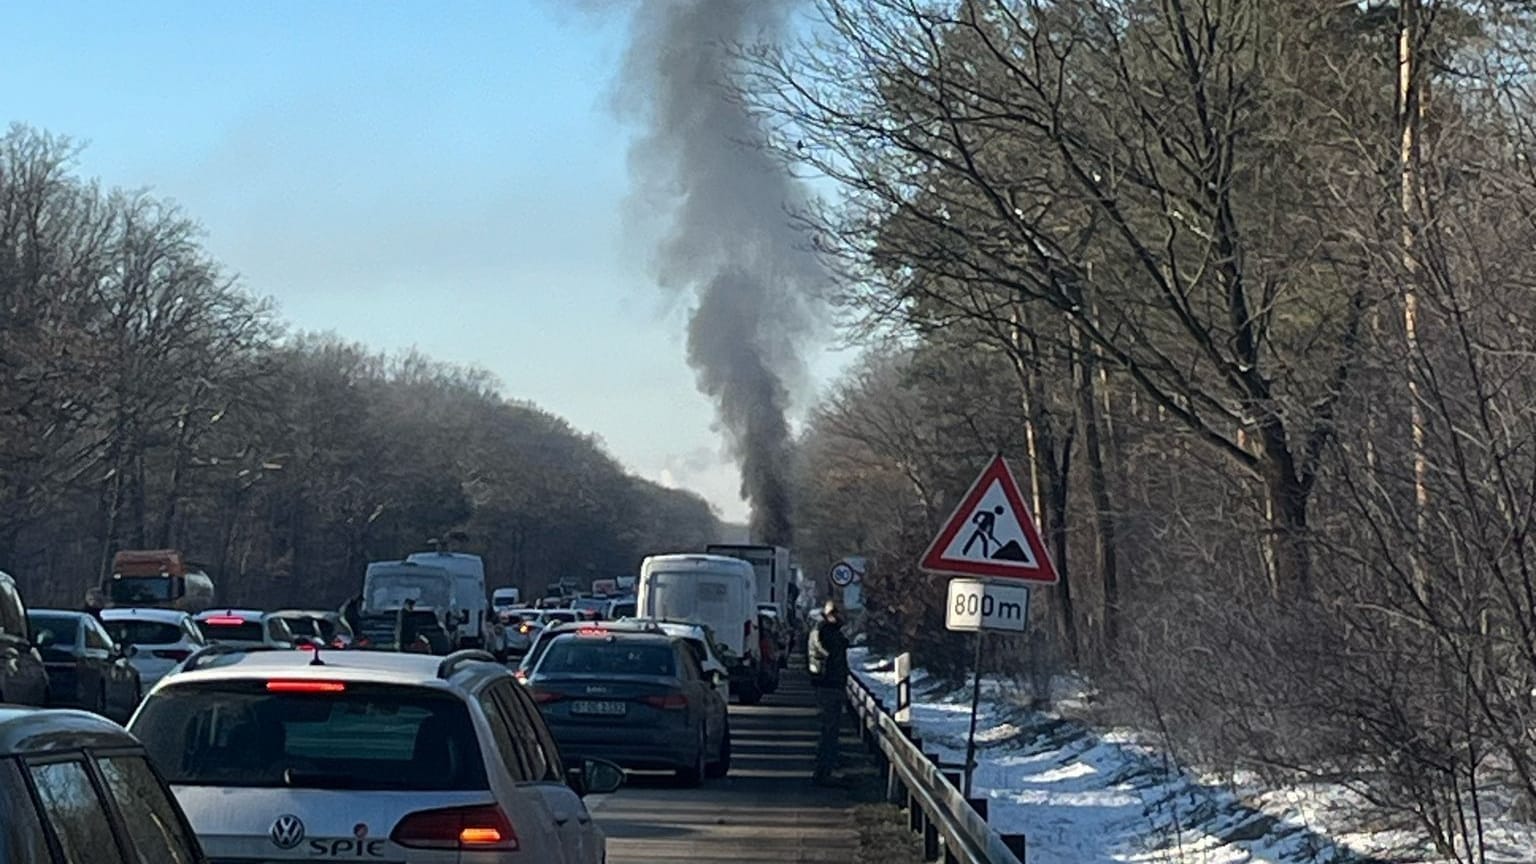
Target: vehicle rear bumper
<point>639,749</point>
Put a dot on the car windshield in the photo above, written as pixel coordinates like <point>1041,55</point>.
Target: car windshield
<point>623,610</point>
<point>585,655</point>
<point>64,629</point>
<point>364,737</point>
<point>132,590</point>
<point>231,630</point>
<point>134,631</point>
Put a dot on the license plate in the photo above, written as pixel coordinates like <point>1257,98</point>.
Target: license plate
<point>606,708</point>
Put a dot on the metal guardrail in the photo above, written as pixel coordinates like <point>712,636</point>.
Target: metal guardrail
<point>953,829</point>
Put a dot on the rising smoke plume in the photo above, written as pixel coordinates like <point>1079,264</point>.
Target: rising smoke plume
<point>700,167</point>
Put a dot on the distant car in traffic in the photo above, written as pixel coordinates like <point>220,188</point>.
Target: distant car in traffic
<point>522,627</point>
<point>86,669</point>
<point>162,638</point>
<point>547,636</point>
<point>246,627</point>
<point>590,608</point>
<point>326,626</point>
<point>23,677</point>
<point>619,607</point>
<point>638,699</point>
<point>91,783</point>
<point>368,756</point>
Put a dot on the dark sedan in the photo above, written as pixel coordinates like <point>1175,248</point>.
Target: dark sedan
<point>86,669</point>
<point>638,699</point>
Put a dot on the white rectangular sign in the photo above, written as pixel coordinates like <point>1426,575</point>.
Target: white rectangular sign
<point>975,604</point>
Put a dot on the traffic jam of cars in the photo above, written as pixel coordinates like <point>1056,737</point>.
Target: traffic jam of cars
<point>422,720</point>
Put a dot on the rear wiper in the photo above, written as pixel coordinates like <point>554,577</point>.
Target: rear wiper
<point>318,779</point>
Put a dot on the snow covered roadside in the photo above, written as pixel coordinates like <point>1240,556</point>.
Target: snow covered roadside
<point>1085,796</point>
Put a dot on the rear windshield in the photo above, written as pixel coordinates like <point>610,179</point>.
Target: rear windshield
<point>368,737</point>
<point>328,628</point>
<point>623,610</point>
<point>138,632</point>
<point>245,631</point>
<point>578,655</point>
<point>65,628</point>
<point>303,626</point>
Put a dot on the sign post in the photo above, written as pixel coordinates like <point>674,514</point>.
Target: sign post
<point>990,540</point>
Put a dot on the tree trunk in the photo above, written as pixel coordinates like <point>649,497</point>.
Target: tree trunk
<point>1288,500</point>
<point>1059,484</point>
<point>1098,484</point>
<point>140,529</point>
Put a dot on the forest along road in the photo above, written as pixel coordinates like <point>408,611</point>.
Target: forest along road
<point>765,811</point>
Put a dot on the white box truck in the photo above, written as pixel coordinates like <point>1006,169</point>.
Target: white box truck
<point>715,590</point>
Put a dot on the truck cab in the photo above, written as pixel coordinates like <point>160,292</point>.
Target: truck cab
<point>160,578</point>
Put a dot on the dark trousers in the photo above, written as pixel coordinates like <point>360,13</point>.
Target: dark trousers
<point>829,711</point>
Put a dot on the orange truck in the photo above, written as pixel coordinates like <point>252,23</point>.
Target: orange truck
<point>161,578</point>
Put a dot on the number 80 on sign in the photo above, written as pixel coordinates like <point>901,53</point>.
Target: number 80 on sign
<point>975,604</point>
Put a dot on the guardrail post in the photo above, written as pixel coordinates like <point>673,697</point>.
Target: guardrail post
<point>915,815</point>
<point>980,805</point>
<point>930,840</point>
<point>895,793</point>
<point>1017,845</point>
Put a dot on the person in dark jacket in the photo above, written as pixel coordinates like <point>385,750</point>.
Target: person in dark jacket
<point>827,659</point>
<point>406,631</point>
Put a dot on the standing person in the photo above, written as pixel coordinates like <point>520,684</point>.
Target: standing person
<point>406,631</point>
<point>827,660</point>
<point>95,601</point>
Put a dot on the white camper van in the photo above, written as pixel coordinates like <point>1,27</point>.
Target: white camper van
<point>714,590</point>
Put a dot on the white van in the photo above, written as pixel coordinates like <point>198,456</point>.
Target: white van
<point>715,591</point>
<point>471,606</point>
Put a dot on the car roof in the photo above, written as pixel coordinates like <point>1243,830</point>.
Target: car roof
<point>371,667</point>
<point>70,613</point>
<point>302,613</point>
<point>148,613</point>
<point>619,635</point>
<point>39,730</point>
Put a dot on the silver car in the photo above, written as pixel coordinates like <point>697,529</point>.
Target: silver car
<point>362,755</point>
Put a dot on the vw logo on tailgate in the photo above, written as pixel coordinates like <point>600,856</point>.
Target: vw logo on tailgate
<point>288,831</point>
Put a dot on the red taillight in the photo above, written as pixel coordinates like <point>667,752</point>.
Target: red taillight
<point>306,687</point>
<point>480,827</point>
<point>544,697</point>
<point>669,702</point>
<point>177,654</point>
<point>224,621</point>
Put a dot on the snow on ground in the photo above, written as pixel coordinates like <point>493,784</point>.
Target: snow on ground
<point>1085,796</point>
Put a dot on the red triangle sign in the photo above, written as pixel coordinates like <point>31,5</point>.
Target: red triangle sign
<point>991,534</point>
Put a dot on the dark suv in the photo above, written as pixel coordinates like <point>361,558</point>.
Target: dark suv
<point>23,678</point>
<point>75,787</point>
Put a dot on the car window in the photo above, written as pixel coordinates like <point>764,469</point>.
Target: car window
<point>311,734</point>
<point>137,631</point>
<point>277,629</point>
<point>149,815</point>
<point>506,743</point>
<point>194,635</point>
<point>13,616</point>
<point>63,629</point>
<point>21,831</point>
<point>75,812</point>
<point>540,729</point>
<point>576,655</point>
<point>522,729</point>
<point>95,636</point>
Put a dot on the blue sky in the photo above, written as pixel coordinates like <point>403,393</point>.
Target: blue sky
<point>443,175</point>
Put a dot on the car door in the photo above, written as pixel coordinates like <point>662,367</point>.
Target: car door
<point>519,767</point>
<point>23,677</point>
<point>152,823</point>
<point>95,652</point>
<point>118,673</point>
<point>700,693</point>
<point>577,836</point>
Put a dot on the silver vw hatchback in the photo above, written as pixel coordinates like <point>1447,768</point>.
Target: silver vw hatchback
<point>285,755</point>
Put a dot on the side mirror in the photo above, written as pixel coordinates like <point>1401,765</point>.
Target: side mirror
<point>595,777</point>
<point>126,651</point>
<point>716,678</point>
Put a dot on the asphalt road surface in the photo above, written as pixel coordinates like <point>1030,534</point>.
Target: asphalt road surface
<point>767,810</point>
